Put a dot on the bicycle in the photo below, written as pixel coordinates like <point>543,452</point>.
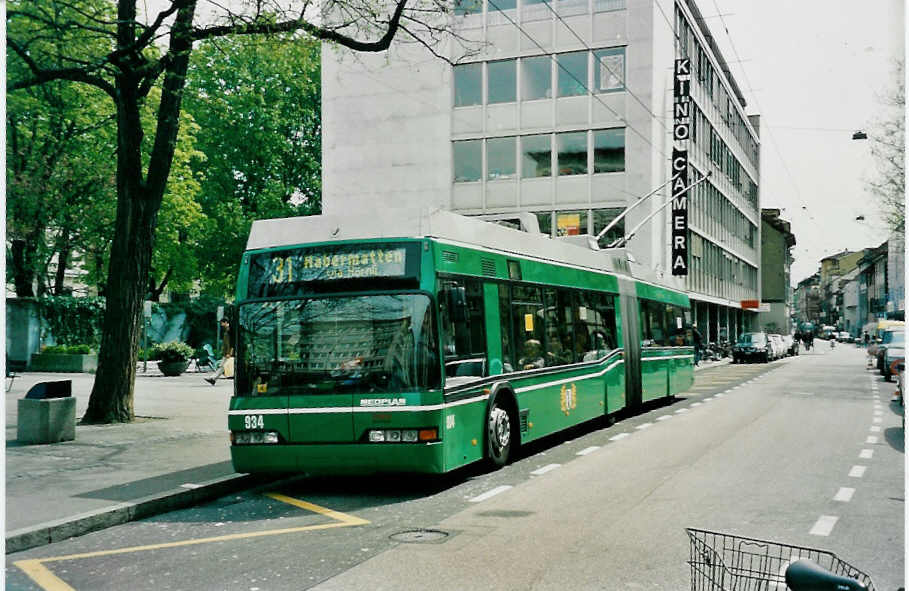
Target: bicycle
<point>727,562</point>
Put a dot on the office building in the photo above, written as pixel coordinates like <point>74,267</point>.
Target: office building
<point>564,111</point>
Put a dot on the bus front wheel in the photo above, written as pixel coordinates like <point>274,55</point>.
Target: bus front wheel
<point>499,435</point>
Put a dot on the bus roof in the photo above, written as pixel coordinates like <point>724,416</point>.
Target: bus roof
<point>446,226</point>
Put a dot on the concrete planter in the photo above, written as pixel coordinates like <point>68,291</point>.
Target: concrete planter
<point>64,363</point>
<point>172,368</point>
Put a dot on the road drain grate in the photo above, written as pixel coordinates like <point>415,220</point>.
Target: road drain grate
<point>420,536</point>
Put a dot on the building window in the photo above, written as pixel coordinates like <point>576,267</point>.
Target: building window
<point>544,218</point>
<point>536,78</point>
<point>601,219</point>
<point>468,7</point>
<point>536,156</point>
<point>502,5</point>
<point>500,158</point>
<point>571,223</point>
<point>609,69</point>
<point>572,150</point>
<point>534,10</point>
<point>607,5</point>
<point>572,73</point>
<point>468,160</point>
<point>502,77</point>
<point>609,150</point>
<point>571,7</point>
<point>468,85</point>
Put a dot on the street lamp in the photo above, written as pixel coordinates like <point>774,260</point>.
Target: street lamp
<point>860,135</point>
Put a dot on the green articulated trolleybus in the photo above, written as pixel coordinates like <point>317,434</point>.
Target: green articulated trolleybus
<point>422,341</point>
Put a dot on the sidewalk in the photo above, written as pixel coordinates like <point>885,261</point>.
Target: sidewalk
<point>175,454</point>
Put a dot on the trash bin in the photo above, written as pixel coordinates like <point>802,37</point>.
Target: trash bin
<point>47,414</point>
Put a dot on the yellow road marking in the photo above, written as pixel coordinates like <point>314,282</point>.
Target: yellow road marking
<point>42,576</point>
<point>45,579</point>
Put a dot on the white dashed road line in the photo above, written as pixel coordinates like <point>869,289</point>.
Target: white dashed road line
<point>588,450</point>
<point>866,454</point>
<point>681,410</point>
<point>644,426</point>
<point>844,495</point>
<point>857,471</point>
<point>619,436</point>
<point>664,418</point>
<point>545,469</point>
<point>824,525</point>
<point>490,493</point>
<point>871,439</point>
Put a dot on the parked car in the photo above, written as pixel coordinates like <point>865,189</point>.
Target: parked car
<point>792,344</point>
<point>894,351</point>
<point>752,345</point>
<point>777,345</point>
<point>844,337</point>
<point>889,336</point>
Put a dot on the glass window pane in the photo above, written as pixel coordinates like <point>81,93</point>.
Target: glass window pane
<point>468,85</point>
<point>502,5</point>
<point>571,7</point>
<point>468,7</point>
<point>536,78</point>
<point>503,81</point>
<point>609,69</point>
<point>601,219</point>
<point>572,152</point>
<point>536,156</point>
<point>535,10</point>
<point>545,220</point>
<point>500,158</point>
<point>572,73</point>
<point>609,150</point>
<point>468,160</point>
<point>571,223</point>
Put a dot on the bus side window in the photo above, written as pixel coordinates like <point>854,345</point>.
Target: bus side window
<point>559,339</point>
<point>463,328</point>
<point>606,316</point>
<point>505,328</point>
<point>527,324</point>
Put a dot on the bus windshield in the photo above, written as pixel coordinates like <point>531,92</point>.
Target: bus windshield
<point>360,344</point>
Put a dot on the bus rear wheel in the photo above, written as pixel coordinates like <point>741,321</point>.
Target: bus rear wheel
<point>499,432</point>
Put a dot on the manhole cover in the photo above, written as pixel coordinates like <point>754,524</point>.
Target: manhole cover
<point>419,536</point>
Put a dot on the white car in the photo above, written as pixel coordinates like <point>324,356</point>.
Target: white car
<point>777,346</point>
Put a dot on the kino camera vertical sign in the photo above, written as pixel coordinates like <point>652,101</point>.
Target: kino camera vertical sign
<point>681,131</point>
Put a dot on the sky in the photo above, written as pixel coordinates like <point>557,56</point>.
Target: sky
<point>821,66</point>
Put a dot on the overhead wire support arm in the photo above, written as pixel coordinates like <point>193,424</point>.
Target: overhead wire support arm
<point>634,231</point>
<point>622,215</point>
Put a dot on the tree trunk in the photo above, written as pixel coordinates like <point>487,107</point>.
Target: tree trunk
<point>130,258</point>
<point>23,271</point>
<point>138,203</point>
<point>62,262</point>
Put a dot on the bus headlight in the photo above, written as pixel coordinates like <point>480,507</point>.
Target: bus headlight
<point>402,435</point>
<point>253,437</point>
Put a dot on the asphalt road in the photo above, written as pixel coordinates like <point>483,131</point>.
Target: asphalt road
<point>769,451</point>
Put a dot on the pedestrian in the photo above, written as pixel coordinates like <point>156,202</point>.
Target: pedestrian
<point>866,337</point>
<point>227,354</point>
<point>696,336</point>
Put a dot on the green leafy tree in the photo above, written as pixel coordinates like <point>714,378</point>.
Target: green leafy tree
<point>259,100</point>
<point>119,56</point>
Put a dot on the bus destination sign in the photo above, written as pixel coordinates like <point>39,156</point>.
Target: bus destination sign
<point>270,272</point>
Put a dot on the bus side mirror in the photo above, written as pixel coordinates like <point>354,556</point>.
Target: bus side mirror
<point>456,303</point>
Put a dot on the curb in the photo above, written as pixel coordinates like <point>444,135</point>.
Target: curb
<point>54,531</point>
<point>724,361</point>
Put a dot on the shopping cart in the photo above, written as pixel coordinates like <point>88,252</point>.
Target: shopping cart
<point>725,562</point>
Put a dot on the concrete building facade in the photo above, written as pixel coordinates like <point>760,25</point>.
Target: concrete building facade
<point>777,241</point>
<point>565,111</point>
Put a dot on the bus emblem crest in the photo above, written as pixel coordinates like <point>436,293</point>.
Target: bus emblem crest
<point>569,399</point>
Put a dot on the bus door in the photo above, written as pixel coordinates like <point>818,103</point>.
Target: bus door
<point>631,342</point>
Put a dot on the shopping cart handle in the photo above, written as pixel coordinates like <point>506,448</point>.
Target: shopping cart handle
<point>805,575</point>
